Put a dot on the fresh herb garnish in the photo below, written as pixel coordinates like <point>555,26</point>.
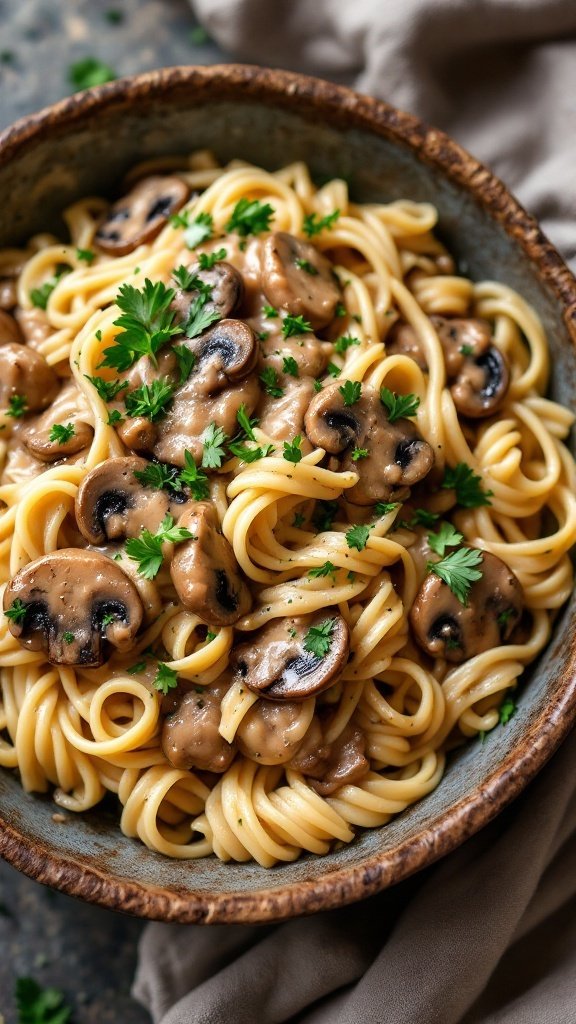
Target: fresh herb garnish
<point>114,417</point>
<point>186,361</point>
<point>306,266</point>
<point>350,391</point>
<point>357,536</point>
<point>313,224</point>
<point>241,451</point>
<point>468,486</point>
<point>459,571</point>
<point>149,400</point>
<point>334,370</point>
<point>68,637</point>
<point>89,71</point>
<point>206,260</point>
<point>166,678</point>
<point>508,708</point>
<point>340,310</point>
<point>398,406</point>
<point>39,296</point>
<point>447,537</point>
<point>148,324</point>
<point>200,317</point>
<point>504,616</point>
<point>159,476</point>
<point>269,312</point>
<point>422,517</point>
<point>147,548</point>
<point>293,325</point>
<point>86,255</point>
<point>325,513</point>
<point>114,16</point>
<point>383,508</point>
<point>318,638</point>
<point>107,389</point>
<point>317,386</point>
<point>250,217</point>
<point>17,406</point>
<point>61,432</point>
<point>466,350</point>
<point>17,611</point>
<point>269,378</point>
<point>290,366</point>
<point>245,423</point>
<point>359,453</point>
<point>140,666</point>
<point>186,279</point>
<point>194,478</point>
<point>107,619</point>
<point>199,230</point>
<point>328,569</point>
<point>341,345</point>
<point>38,1005</point>
<point>214,440</point>
<point>293,449</point>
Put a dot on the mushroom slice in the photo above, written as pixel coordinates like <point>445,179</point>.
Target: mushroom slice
<point>478,370</point>
<point>283,418</point>
<point>226,286</point>
<point>333,765</point>
<point>205,572</point>
<point>298,278</point>
<point>190,737</point>
<point>74,603</point>
<point>225,354</point>
<point>26,374</point>
<point>112,503</point>
<point>69,410</point>
<point>398,456</point>
<point>9,329</point>
<point>272,733</point>
<point>276,664</point>
<point>140,215</point>
<point>445,628</point>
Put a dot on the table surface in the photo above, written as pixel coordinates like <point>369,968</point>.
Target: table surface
<point>87,952</point>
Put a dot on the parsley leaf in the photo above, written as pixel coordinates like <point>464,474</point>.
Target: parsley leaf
<point>341,345</point>
<point>359,453</point>
<point>466,350</point>
<point>325,513</point>
<point>422,517</point>
<point>17,406</point>
<point>107,389</point>
<point>357,536</point>
<point>186,279</point>
<point>114,417</point>
<point>289,365</point>
<point>269,378</point>
<point>447,537</point>
<point>87,255</point>
<point>68,637</point>
<point>340,310</point>
<point>504,616</point>
<point>159,476</point>
<point>292,325</point>
<point>293,449</point>
<point>214,440</point>
<point>468,486</point>
<point>147,321</point>
<point>107,619</point>
<point>323,570</point>
<point>334,370</point>
<point>39,296</point>
<point>250,217</point>
<point>200,230</point>
<point>269,312</point>
<point>398,406</point>
<point>199,317</point>
<point>313,224</point>
<point>89,71</point>
<point>383,508</point>
<point>241,451</point>
<point>318,638</point>
<point>166,678</point>
<point>186,361</point>
<point>61,432</point>
<point>140,666</point>
<point>194,478</point>
<point>245,423</point>
<point>306,266</point>
<point>508,708</point>
<point>147,548</point>
<point>17,611</point>
<point>149,400</point>
<point>38,1005</point>
<point>206,260</point>
<point>458,570</point>
<point>350,391</point>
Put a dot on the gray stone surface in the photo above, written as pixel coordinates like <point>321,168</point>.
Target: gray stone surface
<point>86,952</point>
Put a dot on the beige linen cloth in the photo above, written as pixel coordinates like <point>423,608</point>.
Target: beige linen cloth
<point>488,935</point>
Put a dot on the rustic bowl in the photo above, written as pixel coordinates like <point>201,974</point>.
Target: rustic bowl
<point>84,145</point>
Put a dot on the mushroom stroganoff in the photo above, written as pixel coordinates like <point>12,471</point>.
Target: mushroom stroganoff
<point>285,513</point>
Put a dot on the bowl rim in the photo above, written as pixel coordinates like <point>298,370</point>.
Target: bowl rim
<point>344,108</point>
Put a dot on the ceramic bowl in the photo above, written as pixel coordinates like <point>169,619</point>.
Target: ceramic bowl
<point>84,145</point>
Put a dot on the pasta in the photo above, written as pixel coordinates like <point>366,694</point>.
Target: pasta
<point>311,549</point>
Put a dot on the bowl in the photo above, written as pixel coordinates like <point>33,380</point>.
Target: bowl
<point>84,145</point>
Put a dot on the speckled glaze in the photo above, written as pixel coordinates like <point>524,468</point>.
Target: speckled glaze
<point>84,145</point>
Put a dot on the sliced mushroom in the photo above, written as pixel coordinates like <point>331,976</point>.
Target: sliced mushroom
<point>332,765</point>
<point>190,737</point>
<point>9,329</point>
<point>225,353</point>
<point>205,572</point>
<point>8,293</point>
<point>283,418</point>
<point>272,733</point>
<point>276,664</point>
<point>445,628</point>
<point>69,410</point>
<point>139,216</point>
<point>310,354</point>
<point>398,456</point>
<point>25,373</point>
<point>112,503</point>
<point>298,278</point>
<point>226,291</point>
<point>482,385</point>
<point>76,603</point>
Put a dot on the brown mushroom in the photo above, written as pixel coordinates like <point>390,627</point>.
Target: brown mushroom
<point>272,733</point>
<point>283,418</point>
<point>25,373</point>
<point>226,290</point>
<point>205,572</point>
<point>277,663</point>
<point>140,215</point>
<point>402,340</point>
<point>298,278</point>
<point>9,329</point>
<point>446,628</point>
<point>310,354</point>
<point>225,353</point>
<point>478,371</point>
<point>70,411</point>
<point>8,293</point>
<point>190,737</point>
<point>398,457</point>
<point>332,765</point>
<point>113,502</point>
<point>73,604</point>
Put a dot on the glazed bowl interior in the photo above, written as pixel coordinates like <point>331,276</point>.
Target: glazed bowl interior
<point>84,146</point>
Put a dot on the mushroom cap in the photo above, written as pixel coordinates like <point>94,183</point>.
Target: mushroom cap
<point>69,407</point>
<point>67,595</point>
<point>25,372</point>
<point>205,572</point>
<point>398,456</point>
<point>9,329</point>
<point>227,291</point>
<point>445,628</point>
<point>190,737</point>
<point>225,353</point>
<point>332,765</point>
<point>479,372</point>
<point>298,278</point>
<point>275,663</point>
<point>140,215</point>
<point>112,503</point>
<point>271,733</point>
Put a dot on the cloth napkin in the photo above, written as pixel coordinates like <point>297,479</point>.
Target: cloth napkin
<point>488,935</point>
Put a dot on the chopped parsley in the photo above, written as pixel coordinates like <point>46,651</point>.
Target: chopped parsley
<point>199,230</point>
<point>357,536</point>
<point>508,708</point>
<point>459,571</point>
<point>293,449</point>
<point>334,370</point>
<point>351,391</point>
<point>269,312</point>
<point>318,638</point>
<point>504,616</point>
<point>206,260</point>
<point>194,478</point>
<point>148,323</point>
<point>250,217</point>
<point>341,345</point>
<point>245,423</point>
<point>325,513</point>
<point>17,406</point>
<point>187,280</point>
<point>159,476</point>
<point>199,316</point>
<point>313,224</point>
<point>398,406</point>
<point>359,453</point>
<point>68,637</point>
<point>17,611</point>
<point>214,440</point>
<point>447,537</point>
<point>306,266</point>
<point>140,666</point>
<point>86,255</point>
<point>186,361</point>
<point>290,366</point>
<point>89,71</point>
<point>61,432</point>
<point>383,508</point>
<point>269,378</point>
<point>292,325</point>
<point>317,386</point>
<point>38,1005</point>
<point>242,451</point>
<point>107,389</point>
<point>468,486</point>
<point>147,548</point>
<point>328,569</point>
<point>149,400</point>
<point>39,296</point>
<point>466,350</point>
<point>422,517</point>
<point>166,678</point>
<point>340,310</point>
<point>114,417</point>
<point>107,619</point>
<point>114,16</point>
